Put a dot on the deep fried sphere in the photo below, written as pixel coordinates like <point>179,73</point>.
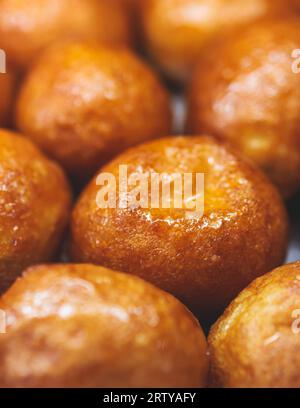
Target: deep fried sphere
<point>245,91</point>
<point>34,206</point>
<point>177,30</point>
<point>27,27</point>
<point>204,261</point>
<point>86,326</point>
<point>256,343</point>
<point>7,88</point>
<point>83,104</point>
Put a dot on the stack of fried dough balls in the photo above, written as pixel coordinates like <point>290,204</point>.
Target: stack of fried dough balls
<point>161,233</point>
<point>176,31</point>
<point>84,103</point>
<point>256,342</point>
<point>204,260</point>
<point>27,27</point>
<point>34,206</point>
<point>246,90</point>
<point>86,326</point>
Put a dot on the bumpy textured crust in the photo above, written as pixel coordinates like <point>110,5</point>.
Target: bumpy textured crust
<point>83,104</point>
<point>86,326</point>
<point>7,90</point>
<point>256,343</point>
<point>34,206</point>
<point>176,30</point>
<point>27,27</point>
<point>244,91</point>
<point>205,262</point>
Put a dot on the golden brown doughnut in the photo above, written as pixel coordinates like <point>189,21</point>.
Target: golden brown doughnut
<point>256,343</point>
<point>27,27</point>
<point>34,206</point>
<point>244,91</point>
<point>205,262</point>
<point>84,103</point>
<point>176,31</point>
<point>86,326</point>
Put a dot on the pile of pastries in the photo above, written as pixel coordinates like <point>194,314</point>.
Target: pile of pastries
<point>144,296</point>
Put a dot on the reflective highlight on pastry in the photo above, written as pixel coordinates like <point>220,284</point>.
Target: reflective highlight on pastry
<point>86,326</point>
<point>204,262</point>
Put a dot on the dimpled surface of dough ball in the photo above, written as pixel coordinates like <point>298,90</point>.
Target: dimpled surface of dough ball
<point>203,261</point>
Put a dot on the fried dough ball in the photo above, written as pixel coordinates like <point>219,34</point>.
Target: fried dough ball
<point>27,27</point>
<point>86,326</point>
<point>34,206</point>
<point>176,31</point>
<point>203,260</point>
<point>250,96</point>
<point>256,342</point>
<point>83,104</point>
<point>7,90</point>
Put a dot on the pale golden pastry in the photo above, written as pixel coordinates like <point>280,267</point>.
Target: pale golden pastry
<point>256,343</point>
<point>176,31</point>
<point>84,103</point>
<point>27,27</point>
<point>249,95</point>
<point>86,326</point>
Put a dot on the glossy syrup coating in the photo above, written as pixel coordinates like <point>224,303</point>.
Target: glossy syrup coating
<point>27,27</point>
<point>84,103</point>
<point>176,31</point>
<point>7,92</point>
<point>86,326</point>
<point>256,342</point>
<point>34,206</point>
<point>245,91</point>
<point>205,261</point>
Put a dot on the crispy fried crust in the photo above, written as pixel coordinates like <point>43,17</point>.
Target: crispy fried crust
<point>205,262</point>
<point>256,343</point>
<point>86,326</point>
<point>83,104</point>
<point>34,206</point>
<point>244,91</point>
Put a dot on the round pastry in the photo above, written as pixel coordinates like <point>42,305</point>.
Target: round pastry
<point>256,343</point>
<point>34,206</point>
<point>176,31</point>
<point>7,87</point>
<point>84,103</point>
<point>27,27</point>
<point>250,96</point>
<point>202,257</point>
<point>86,326</point>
